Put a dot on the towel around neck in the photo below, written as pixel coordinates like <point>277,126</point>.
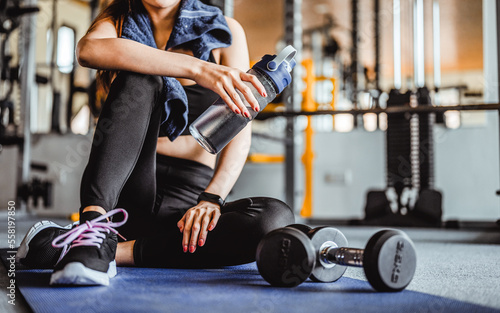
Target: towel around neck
<point>198,27</point>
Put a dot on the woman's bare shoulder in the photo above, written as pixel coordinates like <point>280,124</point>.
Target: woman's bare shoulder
<point>234,26</point>
<point>103,29</point>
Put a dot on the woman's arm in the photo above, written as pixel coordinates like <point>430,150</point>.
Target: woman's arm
<point>233,156</point>
<point>102,49</point>
<point>202,218</point>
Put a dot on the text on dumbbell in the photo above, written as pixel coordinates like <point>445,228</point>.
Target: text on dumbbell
<point>398,259</point>
<point>285,250</point>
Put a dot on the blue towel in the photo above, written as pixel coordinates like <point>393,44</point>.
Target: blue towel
<point>201,28</point>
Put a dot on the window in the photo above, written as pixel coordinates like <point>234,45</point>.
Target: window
<point>65,49</point>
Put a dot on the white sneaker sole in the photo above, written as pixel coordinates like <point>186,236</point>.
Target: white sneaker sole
<point>24,248</point>
<point>75,273</point>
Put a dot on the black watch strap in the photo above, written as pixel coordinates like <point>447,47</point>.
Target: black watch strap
<point>210,197</point>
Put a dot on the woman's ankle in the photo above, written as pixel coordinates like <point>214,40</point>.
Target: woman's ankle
<point>125,253</point>
<point>94,208</point>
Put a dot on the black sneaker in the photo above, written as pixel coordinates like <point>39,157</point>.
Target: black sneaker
<point>88,256</point>
<point>36,249</point>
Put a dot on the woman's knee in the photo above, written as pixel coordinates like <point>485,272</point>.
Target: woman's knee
<point>139,82</point>
<point>275,214</point>
<point>134,91</point>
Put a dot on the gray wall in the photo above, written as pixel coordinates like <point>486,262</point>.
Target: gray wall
<point>348,164</point>
<point>65,157</point>
<point>467,170</point>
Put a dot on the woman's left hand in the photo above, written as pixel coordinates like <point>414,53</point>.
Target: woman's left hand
<point>196,224</point>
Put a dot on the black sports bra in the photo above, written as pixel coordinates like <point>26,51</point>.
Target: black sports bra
<point>199,99</point>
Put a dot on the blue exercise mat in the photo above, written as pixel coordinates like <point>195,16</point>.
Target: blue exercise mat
<point>231,289</point>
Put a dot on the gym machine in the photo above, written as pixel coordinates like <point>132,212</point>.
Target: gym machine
<point>13,15</point>
<point>28,90</point>
<point>410,198</point>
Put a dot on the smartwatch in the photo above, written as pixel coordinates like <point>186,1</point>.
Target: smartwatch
<point>210,197</point>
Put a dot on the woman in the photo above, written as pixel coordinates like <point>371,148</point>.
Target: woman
<point>177,215</point>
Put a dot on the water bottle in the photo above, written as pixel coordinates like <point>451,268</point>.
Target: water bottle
<point>215,127</point>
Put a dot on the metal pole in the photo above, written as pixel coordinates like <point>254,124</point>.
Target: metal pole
<point>27,87</point>
<point>54,93</point>
<point>94,9</point>
<point>291,97</point>
<point>354,54</point>
<point>229,8</point>
<point>376,8</point>
<point>498,67</point>
<point>53,57</point>
<point>397,44</point>
<point>436,47</point>
<point>418,43</point>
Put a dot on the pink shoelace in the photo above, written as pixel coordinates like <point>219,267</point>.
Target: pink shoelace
<point>89,234</point>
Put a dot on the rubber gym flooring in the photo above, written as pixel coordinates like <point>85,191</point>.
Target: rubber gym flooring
<point>457,271</point>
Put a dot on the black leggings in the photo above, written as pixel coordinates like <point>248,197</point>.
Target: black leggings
<point>124,171</point>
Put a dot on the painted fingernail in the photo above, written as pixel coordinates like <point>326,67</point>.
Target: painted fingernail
<point>264,95</point>
<point>201,242</point>
<point>191,249</point>
<point>185,248</point>
<point>256,109</point>
<point>211,227</point>
<point>247,114</point>
<point>237,111</point>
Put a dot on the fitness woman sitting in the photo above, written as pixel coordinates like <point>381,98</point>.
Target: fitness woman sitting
<point>143,160</point>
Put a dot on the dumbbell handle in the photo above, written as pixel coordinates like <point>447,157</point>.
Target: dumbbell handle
<point>342,256</point>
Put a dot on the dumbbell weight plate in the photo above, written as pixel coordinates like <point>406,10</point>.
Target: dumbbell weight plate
<point>322,237</point>
<point>389,260</point>
<point>285,257</point>
<point>303,228</point>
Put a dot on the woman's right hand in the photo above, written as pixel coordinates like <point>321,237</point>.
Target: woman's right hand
<point>225,80</point>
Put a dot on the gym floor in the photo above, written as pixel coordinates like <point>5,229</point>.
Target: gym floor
<point>457,264</point>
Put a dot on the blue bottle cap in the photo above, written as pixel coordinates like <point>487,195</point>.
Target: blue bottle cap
<point>278,67</point>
